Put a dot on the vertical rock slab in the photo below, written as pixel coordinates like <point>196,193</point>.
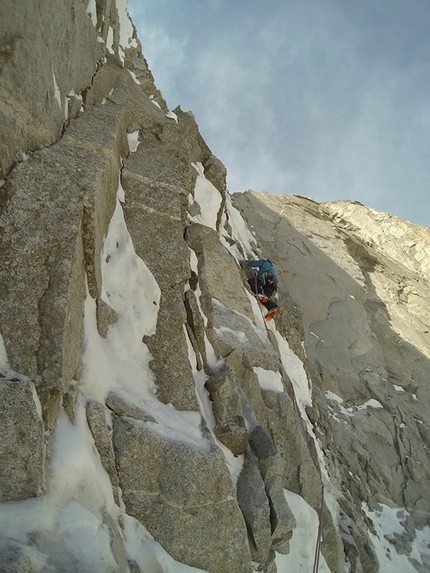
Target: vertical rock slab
<point>272,468</point>
<point>42,285</point>
<point>22,446</point>
<point>254,504</point>
<point>153,214</point>
<point>230,426</point>
<point>47,51</point>
<point>157,179</point>
<point>96,418</point>
<point>183,495</point>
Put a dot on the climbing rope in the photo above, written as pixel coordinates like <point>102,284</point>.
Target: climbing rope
<point>319,535</point>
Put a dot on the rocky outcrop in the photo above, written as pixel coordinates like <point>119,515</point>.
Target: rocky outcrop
<point>57,207</point>
<point>181,494</point>
<point>22,472</point>
<point>149,413</point>
<point>361,279</point>
<point>230,426</point>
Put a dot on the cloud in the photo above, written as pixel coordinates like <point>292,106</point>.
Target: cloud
<point>324,99</point>
<point>166,53</point>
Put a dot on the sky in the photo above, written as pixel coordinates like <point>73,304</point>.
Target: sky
<point>323,98</point>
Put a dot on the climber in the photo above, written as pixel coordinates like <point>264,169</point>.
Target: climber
<point>264,285</point>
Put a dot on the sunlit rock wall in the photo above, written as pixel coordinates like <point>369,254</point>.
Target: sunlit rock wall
<point>151,419</point>
<point>119,335</point>
<point>361,279</point>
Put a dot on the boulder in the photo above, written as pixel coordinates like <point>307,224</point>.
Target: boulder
<point>181,494</point>
<point>106,316</point>
<point>122,404</point>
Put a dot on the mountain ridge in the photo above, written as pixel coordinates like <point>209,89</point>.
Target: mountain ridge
<point>153,421</point>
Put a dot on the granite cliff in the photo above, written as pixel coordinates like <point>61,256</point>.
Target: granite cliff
<point>151,420</point>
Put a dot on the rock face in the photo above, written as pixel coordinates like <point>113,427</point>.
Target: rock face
<point>361,279</point>
<point>22,476</point>
<point>181,494</point>
<point>149,413</point>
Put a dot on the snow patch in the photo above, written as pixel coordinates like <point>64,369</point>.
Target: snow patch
<point>126,39</point>
<point>147,553</point>
<point>133,140</point>
<point>238,334</point>
<point>258,316</point>
<point>295,370</point>
<point>151,97</point>
<point>92,11</point>
<point>110,40</point>
<point>388,524</point>
<point>57,93</point>
<point>120,193</point>
<point>239,231</point>
<point>269,380</point>
<point>120,362</point>
<point>37,401</point>
<point>76,525</point>
<point>369,404</point>
<point>333,396</point>
<point>208,198</point>
<point>133,75</point>
<point>303,543</point>
<point>172,115</point>
<point>5,369</point>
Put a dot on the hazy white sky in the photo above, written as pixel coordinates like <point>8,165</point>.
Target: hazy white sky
<point>324,98</point>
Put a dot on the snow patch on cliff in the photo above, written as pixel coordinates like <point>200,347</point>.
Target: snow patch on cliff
<point>70,520</point>
<point>269,380</point>
<point>388,522</point>
<point>208,198</point>
<point>303,543</point>
<point>120,362</point>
